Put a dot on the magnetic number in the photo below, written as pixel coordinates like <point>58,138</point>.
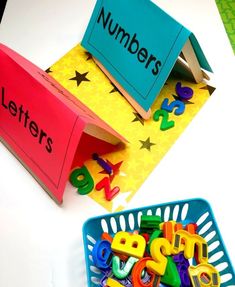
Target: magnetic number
<point>182,267</point>
<point>204,275</point>
<point>180,106</point>
<point>102,254</point>
<point>137,271</point>
<point>165,124</point>
<point>184,93</point>
<point>171,276</point>
<point>184,276</point>
<point>105,184</point>
<point>82,179</point>
<point>158,249</point>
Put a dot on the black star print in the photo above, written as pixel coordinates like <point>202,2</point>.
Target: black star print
<point>48,70</point>
<point>210,89</point>
<point>184,101</point>
<point>89,56</point>
<point>115,89</point>
<point>80,78</point>
<point>146,144</point>
<point>138,118</point>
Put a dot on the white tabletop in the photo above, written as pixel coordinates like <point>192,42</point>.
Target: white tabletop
<point>40,242</point>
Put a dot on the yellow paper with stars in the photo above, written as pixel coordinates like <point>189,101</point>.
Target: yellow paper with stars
<point>79,74</point>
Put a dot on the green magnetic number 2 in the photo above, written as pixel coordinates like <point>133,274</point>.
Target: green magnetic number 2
<point>165,124</point>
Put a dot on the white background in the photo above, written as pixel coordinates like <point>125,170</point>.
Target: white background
<point>40,242</point>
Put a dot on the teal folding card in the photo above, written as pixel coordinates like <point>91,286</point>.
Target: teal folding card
<point>138,44</point>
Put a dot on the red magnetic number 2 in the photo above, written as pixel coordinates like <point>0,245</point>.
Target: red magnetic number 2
<point>105,184</point>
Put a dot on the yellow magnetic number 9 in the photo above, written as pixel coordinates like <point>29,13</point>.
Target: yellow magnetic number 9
<point>159,248</point>
<point>204,275</point>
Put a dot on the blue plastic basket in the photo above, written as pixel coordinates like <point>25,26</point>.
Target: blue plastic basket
<point>195,210</point>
